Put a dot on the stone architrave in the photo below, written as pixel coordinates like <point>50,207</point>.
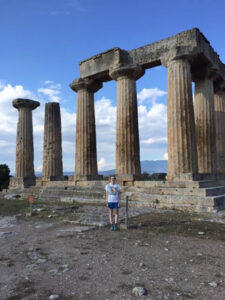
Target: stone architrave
<point>205,123</point>
<point>182,153</point>
<point>86,155</point>
<point>127,134</point>
<point>219,111</point>
<point>24,171</point>
<point>52,151</point>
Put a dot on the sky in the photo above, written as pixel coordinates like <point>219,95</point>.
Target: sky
<point>42,42</point>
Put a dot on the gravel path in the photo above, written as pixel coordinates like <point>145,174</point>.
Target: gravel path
<point>172,255</point>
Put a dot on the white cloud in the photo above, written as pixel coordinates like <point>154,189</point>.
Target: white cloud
<point>48,82</point>
<point>155,140</point>
<point>150,94</point>
<point>102,165</point>
<point>51,93</point>
<point>39,168</point>
<point>165,156</point>
<point>152,127</point>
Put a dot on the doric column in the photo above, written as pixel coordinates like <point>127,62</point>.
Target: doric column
<point>52,150</point>
<point>86,156</point>
<point>205,122</point>
<point>182,154</point>
<point>24,143</point>
<point>127,133</point>
<point>219,111</point>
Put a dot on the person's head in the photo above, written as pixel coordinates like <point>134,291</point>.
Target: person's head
<point>112,179</point>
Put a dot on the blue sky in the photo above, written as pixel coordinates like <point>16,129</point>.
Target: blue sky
<point>43,41</point>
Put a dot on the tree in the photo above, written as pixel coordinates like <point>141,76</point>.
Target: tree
<point>4,176</point>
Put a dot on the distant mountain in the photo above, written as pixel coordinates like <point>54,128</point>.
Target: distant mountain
<point>149,166</point>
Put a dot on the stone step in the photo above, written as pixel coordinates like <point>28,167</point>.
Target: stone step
<point>215,191</point>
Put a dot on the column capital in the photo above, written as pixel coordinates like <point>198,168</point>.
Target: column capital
<point>133,71</point>
<point>205,72</point>
<point>85,83</point>
<point>25,103</point>
<point>219,86</point>
<point>168,60</point>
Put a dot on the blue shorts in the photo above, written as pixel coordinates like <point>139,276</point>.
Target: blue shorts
<point>113,205</point>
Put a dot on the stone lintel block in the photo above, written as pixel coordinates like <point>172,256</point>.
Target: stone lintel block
<point>54,178</point>
<point>127,177</point>
<point>183,177</point>
<point>87,84</point>
<point>190,42</point>
<point>25,103</point>
<point>87,177</point>
<point>133,71</point>
<point>21,182</point>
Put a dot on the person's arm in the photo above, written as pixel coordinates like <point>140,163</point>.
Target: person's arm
<point>119,198</point>
<point>106,198</point>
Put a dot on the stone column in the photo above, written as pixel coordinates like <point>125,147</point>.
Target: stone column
<point>182,154</point>
<point>86,156</point>
<point>219,111</point>
<point>52,151</point>
<point>127,133</point>
<point>205,124</point>
<point>24,171</point>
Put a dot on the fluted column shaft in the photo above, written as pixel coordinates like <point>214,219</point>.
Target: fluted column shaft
<point>24,143</point>
<point>127,133</point>
<point>86,158</point>
<point>52,151</point>
<point>219,108</point>
<point>182,154</point>
<point>205,125</point>
<point>86,154</point>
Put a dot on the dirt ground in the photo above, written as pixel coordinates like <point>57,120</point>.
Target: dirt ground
<point>174,255</point>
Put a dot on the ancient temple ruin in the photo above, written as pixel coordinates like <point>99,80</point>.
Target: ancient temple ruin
<point>196,129</point>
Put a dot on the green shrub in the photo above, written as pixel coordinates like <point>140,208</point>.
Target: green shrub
<point>4,176</point>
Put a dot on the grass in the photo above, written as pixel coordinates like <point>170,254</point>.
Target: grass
<point>10,207</point>
<point>179,223</point>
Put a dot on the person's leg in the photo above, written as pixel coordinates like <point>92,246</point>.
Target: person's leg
<point>116,218</point>
<point>110,216</point>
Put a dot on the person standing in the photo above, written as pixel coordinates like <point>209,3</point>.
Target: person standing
<point>113,201</point>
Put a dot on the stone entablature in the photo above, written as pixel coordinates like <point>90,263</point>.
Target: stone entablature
<point>191,43</point>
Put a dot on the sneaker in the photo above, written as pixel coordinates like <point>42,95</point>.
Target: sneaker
<point>115,228</point>
<point>112,227</point>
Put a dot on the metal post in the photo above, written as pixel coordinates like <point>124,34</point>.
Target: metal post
<point>126,214</point>
<point>31,209</point>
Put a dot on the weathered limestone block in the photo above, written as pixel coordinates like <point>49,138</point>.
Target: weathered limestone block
<point>205,123</point>
<point>190,42</point>
<point>86,156</point>
<point>182,154</point>
<point>127,134</point>
<point>52,150</point>
<point>24,143</point>
<point>219,110</point>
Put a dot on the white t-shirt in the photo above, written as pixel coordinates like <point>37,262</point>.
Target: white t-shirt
<point>113,192</point>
